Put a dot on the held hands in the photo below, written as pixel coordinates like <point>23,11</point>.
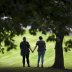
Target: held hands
<point>32,51</point>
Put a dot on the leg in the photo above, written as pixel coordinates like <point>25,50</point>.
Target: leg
<point>39,54</point>
<point>42,58</point>
<point>27,58</point>
<point>23,61</point>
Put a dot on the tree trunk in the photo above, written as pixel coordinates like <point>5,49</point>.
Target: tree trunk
<point>59,60</point>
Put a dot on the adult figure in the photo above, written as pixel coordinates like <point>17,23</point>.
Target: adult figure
<point>41,50</point>
<point>25,51</point>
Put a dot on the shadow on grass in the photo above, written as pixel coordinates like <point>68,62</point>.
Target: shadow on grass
<point>32,69</point>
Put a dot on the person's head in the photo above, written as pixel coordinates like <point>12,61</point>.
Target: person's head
<point>40,38</point>
<point>24,38</point>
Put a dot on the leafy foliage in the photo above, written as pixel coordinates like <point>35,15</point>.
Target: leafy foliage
<point>40,14</point>
<point>68,45</point>
<point>51,38</point>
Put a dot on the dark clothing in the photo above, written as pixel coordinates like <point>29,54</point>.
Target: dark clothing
<point>24,46</point>
<point>27,58</point>
<point>41,45</point>
<point>41,51</point>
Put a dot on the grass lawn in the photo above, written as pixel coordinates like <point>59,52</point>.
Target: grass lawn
<point>12,61</point>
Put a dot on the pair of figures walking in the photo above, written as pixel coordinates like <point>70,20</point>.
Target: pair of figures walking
<point>25,51</point>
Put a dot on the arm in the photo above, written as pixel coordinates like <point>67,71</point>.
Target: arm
<point>20,45</point>
<point>30,49</point>
<point>34,48</point>
<point>45,46</point>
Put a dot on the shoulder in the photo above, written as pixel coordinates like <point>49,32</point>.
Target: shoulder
<point>43,41</point>
<point>27,42</point>
<point>37,41</point>
<point>21,42</point>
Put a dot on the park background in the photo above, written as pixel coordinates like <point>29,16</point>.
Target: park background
<point>43,16</point>
<point>13,58</point>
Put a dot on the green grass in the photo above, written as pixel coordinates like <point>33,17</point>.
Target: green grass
<point>13,59</point>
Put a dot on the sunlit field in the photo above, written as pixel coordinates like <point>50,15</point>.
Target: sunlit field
<point>13,58</point>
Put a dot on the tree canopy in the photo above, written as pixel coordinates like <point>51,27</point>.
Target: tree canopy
<point>45,15</point>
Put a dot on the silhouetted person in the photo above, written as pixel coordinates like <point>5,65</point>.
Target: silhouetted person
<point>41,50</point>
<point>25,47</point>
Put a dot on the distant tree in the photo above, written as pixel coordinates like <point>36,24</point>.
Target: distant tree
<point>41,15</point>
